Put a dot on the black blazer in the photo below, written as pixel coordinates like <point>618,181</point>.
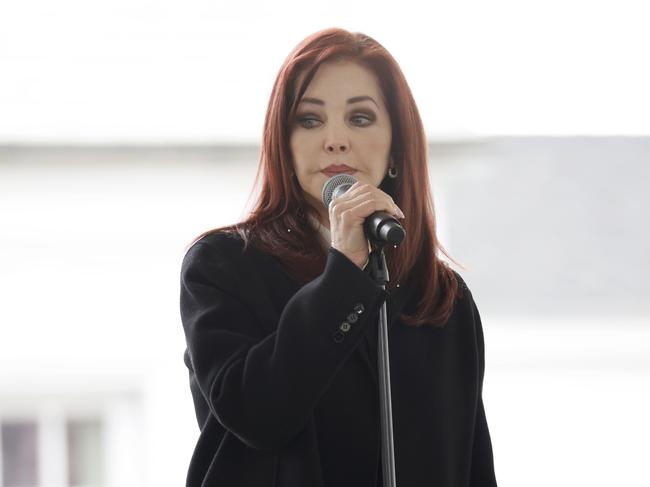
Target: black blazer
<point>285,397</point>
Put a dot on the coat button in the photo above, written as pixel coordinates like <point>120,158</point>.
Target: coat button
<point>345,326</point>
<point>338,336</point>
<point>358,308</point>
<point>352,318</point>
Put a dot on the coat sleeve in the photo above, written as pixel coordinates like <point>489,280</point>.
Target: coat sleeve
<point>263,388</point>
<point>482,474</point>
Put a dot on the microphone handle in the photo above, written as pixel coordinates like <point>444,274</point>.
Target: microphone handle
<point>384,228</point>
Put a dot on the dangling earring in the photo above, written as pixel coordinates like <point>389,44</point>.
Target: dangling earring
<point>392,170</point>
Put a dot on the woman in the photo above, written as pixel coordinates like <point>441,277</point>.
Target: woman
<point>280,315</point>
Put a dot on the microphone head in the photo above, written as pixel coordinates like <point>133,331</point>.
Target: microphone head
<point>333,183</point>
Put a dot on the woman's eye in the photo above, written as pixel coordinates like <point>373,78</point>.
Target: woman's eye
<point>361,120</point>
<point>367,119</point>
<point>305,122</point>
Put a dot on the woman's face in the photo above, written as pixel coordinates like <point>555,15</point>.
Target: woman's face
<point>331,127</point>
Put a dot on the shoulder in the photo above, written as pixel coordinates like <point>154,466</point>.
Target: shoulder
<point>227,240</point>
<point>463,292</point>
<point>461,282</point>
<point>465,298</point>
<point>227,252</point>
<point>225,244</point>
<point>469,304</point>
<point>219,250</point>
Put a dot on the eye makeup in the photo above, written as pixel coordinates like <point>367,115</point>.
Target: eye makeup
<point>368,115</point>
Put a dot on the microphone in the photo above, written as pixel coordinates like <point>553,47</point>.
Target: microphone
<point>380,225</point>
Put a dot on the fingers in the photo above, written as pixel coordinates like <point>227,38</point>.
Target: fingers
<point>367,205</point>
<point>363,200</point>
<point>359,188</point>
<point>347,214</point>
<point>363,188</point>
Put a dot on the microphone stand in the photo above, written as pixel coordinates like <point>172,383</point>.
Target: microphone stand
<point>379,272</point>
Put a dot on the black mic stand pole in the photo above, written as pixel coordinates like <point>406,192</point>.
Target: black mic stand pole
<point>379,272</point>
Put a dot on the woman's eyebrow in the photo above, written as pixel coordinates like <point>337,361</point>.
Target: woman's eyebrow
<point>354,99</point>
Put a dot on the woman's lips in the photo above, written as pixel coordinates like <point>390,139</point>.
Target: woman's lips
<point>333,172</point>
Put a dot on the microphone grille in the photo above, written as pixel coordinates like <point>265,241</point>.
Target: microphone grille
<point>332,183</point>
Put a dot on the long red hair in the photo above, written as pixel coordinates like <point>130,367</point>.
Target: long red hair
<point>278,223</point>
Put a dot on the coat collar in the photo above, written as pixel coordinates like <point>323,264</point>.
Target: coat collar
<point>325,236</point>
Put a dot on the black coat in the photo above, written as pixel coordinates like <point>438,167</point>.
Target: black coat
<point>285,398</point>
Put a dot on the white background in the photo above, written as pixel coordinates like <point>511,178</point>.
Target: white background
<point>199,70</point>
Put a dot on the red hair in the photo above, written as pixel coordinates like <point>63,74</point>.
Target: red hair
<point>281,205</point>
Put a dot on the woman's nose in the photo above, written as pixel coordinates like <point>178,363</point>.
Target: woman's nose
<point>335,147</point>
<point>336,138</point>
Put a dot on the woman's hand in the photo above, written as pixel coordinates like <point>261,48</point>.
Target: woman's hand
<point>347,214</point>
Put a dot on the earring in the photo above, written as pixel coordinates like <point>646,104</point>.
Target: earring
<point>392,170</point>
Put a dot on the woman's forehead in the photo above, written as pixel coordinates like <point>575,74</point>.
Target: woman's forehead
<point>336,80</point>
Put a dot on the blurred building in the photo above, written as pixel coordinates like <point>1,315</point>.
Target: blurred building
<point>552,232</point>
